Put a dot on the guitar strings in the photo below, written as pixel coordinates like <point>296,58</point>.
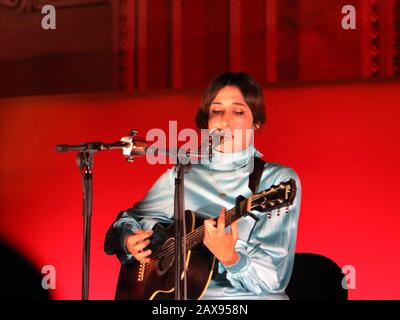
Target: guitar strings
<point>171,248</point>
<point>192,235</point>
<point>199,232</point>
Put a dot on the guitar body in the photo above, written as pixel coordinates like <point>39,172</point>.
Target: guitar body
<point>155,280</point>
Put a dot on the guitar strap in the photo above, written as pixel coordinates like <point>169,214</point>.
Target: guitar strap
<point>255,176</point>
<point>254,181</point>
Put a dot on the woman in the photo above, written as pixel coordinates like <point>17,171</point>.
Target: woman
<point>255,257</point>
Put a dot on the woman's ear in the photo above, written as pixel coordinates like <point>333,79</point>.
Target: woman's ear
<point>257,126</point>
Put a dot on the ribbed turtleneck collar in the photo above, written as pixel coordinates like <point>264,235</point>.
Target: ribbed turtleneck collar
<point>232,160</point>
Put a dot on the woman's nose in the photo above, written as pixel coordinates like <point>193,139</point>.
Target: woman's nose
<point>226,120</point>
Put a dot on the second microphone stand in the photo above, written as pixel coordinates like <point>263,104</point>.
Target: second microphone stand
<point>180,219</point>
<point>180,231</point>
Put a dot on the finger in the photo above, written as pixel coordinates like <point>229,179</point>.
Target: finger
<point>140,246</point>
<point>141,231</point>
<point>131,246</point>
<point>140,236</point>
<point>209,224</point>
<point>209,228</point>
<point>130,242</point>
<point>211,221</point>
<point>136,238</point>
<point>221,221</point>
<point>207,237</point>
<point>234,229</point>
<point>142,255</point>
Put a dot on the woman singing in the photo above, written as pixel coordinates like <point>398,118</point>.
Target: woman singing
<point>254,258</point>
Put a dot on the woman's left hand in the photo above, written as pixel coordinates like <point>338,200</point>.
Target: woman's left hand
<point>221,243</point>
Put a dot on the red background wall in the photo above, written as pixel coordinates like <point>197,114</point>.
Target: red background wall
<point>341,139</point>
<point>106,45</point>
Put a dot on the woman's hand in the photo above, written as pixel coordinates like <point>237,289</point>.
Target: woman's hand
<point>221,243</point>
<point>135,243</point>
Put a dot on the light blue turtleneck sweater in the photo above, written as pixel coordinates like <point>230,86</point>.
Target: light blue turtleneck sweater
<point>266,248</point>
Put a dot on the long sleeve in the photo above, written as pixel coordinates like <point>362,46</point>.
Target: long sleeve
<point>266,248</point>
<point>156,207</point>
<point>266,259</point>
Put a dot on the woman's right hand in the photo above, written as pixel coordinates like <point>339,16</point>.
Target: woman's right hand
<point>135,243</point>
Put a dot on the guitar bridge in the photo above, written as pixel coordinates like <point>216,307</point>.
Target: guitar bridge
<point>141,272</point>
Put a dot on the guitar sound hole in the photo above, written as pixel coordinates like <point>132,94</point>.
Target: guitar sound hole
<point>167,258</point>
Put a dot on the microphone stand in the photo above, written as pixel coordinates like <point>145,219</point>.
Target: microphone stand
<point>84,161</point>
<point>180,230</point>
<point>180,222</point>
<point>85,165</point>
<point>180,218</point>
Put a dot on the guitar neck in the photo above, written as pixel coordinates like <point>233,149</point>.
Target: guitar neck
<point>276,197</point>
<point>197,235</point>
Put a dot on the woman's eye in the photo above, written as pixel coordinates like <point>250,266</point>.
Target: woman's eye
<point>216,111</point>
<point>239,113</point>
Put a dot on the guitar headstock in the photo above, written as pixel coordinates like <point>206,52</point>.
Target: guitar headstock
<point>276,197</point>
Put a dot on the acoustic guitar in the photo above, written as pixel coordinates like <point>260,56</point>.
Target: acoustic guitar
<point>156,279</point>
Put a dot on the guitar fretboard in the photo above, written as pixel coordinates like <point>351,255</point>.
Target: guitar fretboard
<point>268,204</point>
<point>197,235</point>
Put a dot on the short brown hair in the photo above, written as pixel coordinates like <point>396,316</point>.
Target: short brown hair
<point>250,89</point>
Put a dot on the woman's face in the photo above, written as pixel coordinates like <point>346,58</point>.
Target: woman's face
<point>230,112</point>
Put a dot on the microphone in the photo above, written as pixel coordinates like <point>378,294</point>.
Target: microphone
<point>134,146</point>
<point>216,137</point>
<point>219,135</point>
